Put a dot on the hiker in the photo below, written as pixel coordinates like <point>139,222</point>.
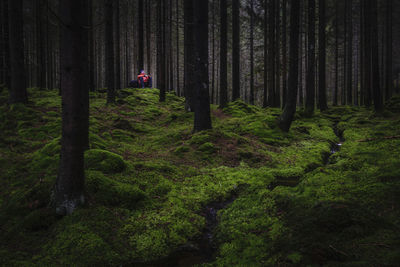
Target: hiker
<point>144,80</point>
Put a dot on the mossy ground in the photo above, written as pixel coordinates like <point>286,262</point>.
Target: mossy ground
<point>148,178</point>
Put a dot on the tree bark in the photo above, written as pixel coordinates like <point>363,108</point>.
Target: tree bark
<point>285,120</point>
<point>117,47</point>
<point>141,37</point>
<point>277,56</point>
<point>349,54</point>
<point>69,188</point>
<point>235,50</point>
<point>271,54</point>
<point>178,87</point>
<point>378,105</point>
<point>252,52</point>
<point>109,51</point>
<point>202,119</point>
<point>389,51</point>
<point>322,57</point>
<point>223,82</point>
<point>310,81</point>
<point>148,34</point>
<point>336,86</point>
<point>18,93</point>
<point>189,60</point>
<point>284,53</point>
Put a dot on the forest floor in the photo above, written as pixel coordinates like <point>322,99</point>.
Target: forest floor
<point>242,194</point>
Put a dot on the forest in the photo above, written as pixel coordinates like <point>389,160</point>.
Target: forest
<point>199,133</point>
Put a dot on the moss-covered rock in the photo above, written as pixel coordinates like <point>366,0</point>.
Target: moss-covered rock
<point>103,160</point>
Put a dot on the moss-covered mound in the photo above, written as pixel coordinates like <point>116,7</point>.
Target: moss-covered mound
<point>149,180</point>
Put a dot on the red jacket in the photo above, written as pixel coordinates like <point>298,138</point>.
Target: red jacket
<point>144,76</point>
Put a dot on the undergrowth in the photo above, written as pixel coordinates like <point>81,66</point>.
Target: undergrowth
<point>148,179</point>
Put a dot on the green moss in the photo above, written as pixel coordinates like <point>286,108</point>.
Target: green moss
<point>110,192</point>
<point>105,161</point>
<point>207,147</point>
<point>181,149</point>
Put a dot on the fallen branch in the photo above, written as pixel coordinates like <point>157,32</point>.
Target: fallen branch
<point>378,138</point>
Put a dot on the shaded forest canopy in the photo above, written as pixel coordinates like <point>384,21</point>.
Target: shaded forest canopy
<point>271,136</point>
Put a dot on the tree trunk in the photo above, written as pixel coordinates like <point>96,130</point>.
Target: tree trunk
<point>336,86</point>
<point>271,55</point>
<point>18,93</point>
<point>171,62</point>
<point>235,50</point>
<point>266,56</point>
<point>109,52</point>
<point>277,57</point>
<point>389,48</point>
<point>91,47</point>
<point>322,58</point>
<point>178,88</point>
<point>310,81</point>
<point>69,186</point>
<point>5,48</point>
<point>252,52</point>
<point>367,48</point>
<point>189,60</point>
<point>148,35</point>
<point>223,82</point>
<point>285,120</point>
<point>161,50</point>
<point>117,47</point>
<point>141,36</point>
<point>375,57</point>
<point>284,53</point>
<point>202,119</point>
<point>349,54</point>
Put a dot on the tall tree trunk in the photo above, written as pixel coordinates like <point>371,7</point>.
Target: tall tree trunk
<point>170,46</point>
<point>213,53</point>
<point>336,86</point>
<point>285,120</point>
<point>252,52</point>
<point>148,34</point>
<point>300,86</point>
<point>375,57</point>
<point>322,57</point>
<point>349,54</point>
<point>310,81</point>
<point>69,186</point>
<point>284,53</point>
<point>277,57</point>
<point>161,50</point>
<point>41,60</point>
<point>202,119</point>
<point>367,52</point>
<point>91,47</point>
<point>141,36</point>
<point>235,50</point>
<point>18,93</point>
<point>271,54</point>
<point>178,88</point>
<point>5,48</point>
<point>266,56</point>
<point>117,47</point>
<point>189,60</point>
<point>361,52</point>
<point>389,49</point>
<point>109,51</point>
<point>223,87</point>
